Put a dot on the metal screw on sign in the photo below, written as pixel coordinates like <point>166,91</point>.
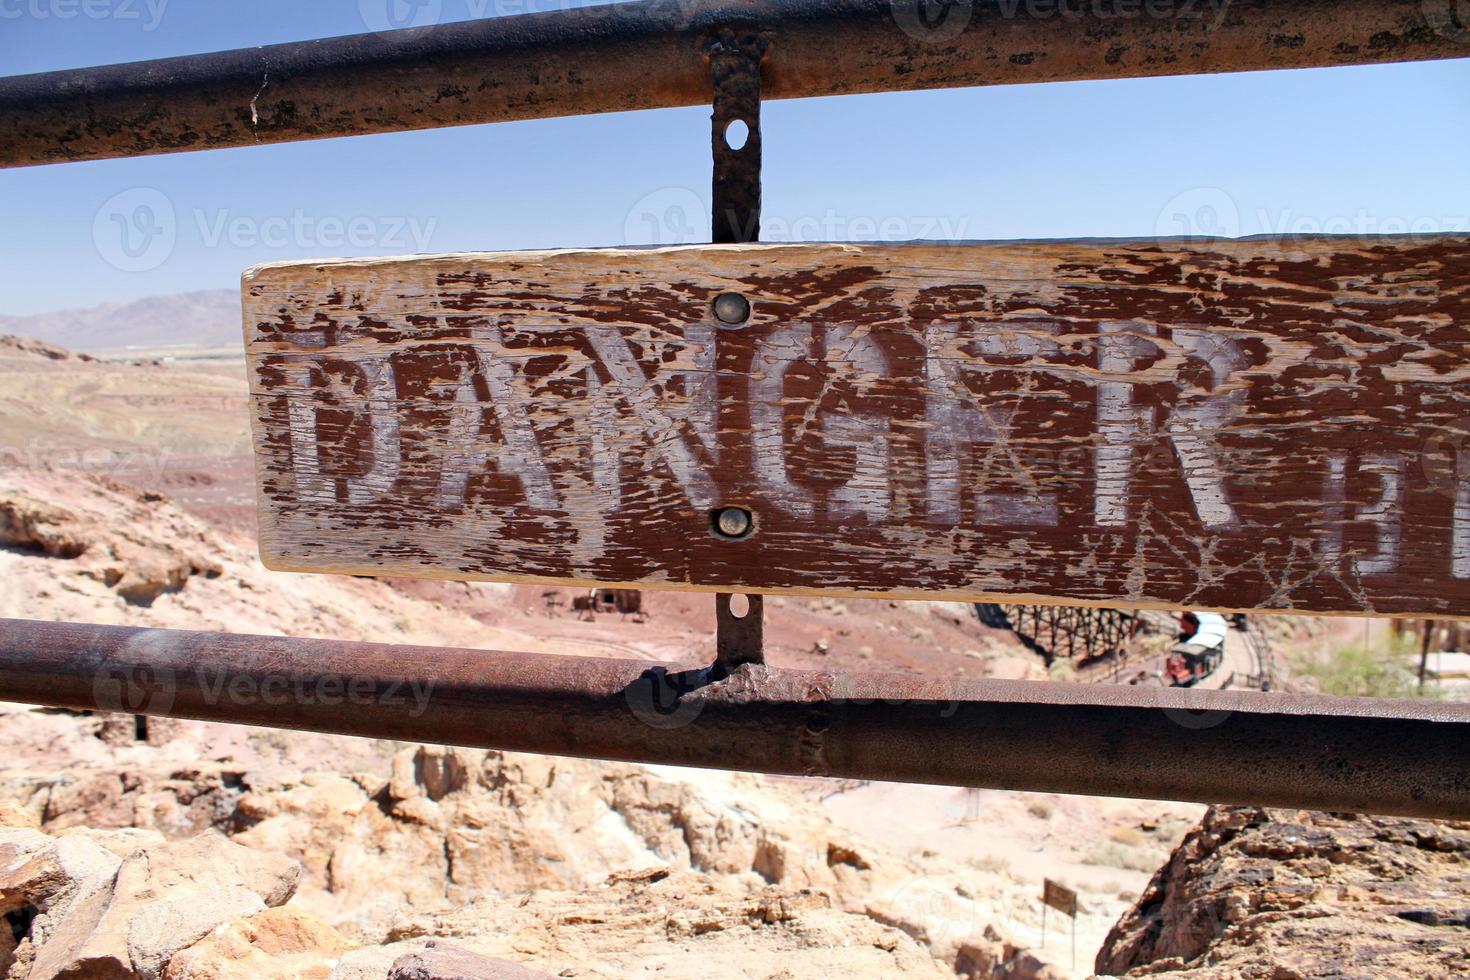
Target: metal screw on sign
<point>732,522</point>
<point>732,309</point>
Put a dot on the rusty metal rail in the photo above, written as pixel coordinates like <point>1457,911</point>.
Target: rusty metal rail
<point>1409,758</point>
<point>653,54</point>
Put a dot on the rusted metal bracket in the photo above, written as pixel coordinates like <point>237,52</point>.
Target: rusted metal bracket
<point>735,136</point>
<point>739,639</point>
<point>735,68</point>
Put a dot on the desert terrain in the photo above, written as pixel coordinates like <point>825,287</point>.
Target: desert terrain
<point>189,850</point>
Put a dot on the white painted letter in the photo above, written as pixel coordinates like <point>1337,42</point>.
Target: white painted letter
<point>520,455</point>
<point>376,377</point>
<point>869,492</point>
<point>661,429</point>
<point>1119,423</point>
<point>782,348</point>
<point>1385,513</point>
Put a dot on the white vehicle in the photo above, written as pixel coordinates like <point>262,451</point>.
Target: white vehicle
<point>1200,650</point>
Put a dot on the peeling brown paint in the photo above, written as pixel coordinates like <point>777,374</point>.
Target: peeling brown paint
<point>1237,424</point>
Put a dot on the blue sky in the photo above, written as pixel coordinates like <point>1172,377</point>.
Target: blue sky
<point>1368,149</point>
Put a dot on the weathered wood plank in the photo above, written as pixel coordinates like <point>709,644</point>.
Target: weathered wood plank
<point>1237,424</point>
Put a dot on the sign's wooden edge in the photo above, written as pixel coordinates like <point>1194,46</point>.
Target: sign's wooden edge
<point>1175,241</point>
<point>601,251</point>
<point>275,564</point>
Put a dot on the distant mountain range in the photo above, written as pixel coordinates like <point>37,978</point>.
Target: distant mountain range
<point>208,318</point>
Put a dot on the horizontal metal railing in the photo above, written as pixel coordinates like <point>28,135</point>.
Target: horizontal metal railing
<point>1409,758</point>
<point>651,54</point>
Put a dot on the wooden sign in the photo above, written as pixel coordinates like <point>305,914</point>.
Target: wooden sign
<point>1064,900</point>
<point>1059,897</point>
<point>1231,424</point>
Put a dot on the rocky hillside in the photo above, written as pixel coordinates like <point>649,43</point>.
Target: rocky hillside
<point>1279,895</point>
<point>184,854</point>
<point>29,347</point>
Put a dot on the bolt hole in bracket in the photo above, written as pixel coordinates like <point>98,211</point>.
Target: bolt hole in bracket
<point>739,638</point>
<point>735,135</point>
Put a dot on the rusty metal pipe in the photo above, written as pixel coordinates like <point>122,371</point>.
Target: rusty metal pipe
<point>1389,757</point>
<point>652,54</point>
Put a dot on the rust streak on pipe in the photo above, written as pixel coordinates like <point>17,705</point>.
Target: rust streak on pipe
<point>1390,757</point>
<point>650,54</point>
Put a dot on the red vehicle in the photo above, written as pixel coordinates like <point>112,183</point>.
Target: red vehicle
<point>1201,649</point>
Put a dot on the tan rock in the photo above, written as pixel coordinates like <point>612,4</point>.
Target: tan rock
<point>123,841</point>
<point>996,959</point>
<point>433,771</point>
<point>101,533</point>
<point>13,814</point>
<point>177,801</point>
<point>277,944</point>
<point>17,846</point>
<point>448,829</point>
<point>443,961</point>
<point>42,879</point>
<point>88,798</point>
<point>27,522</point>
<point>680,925</point>
<point>162,899</point>
<point>373,962</point>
